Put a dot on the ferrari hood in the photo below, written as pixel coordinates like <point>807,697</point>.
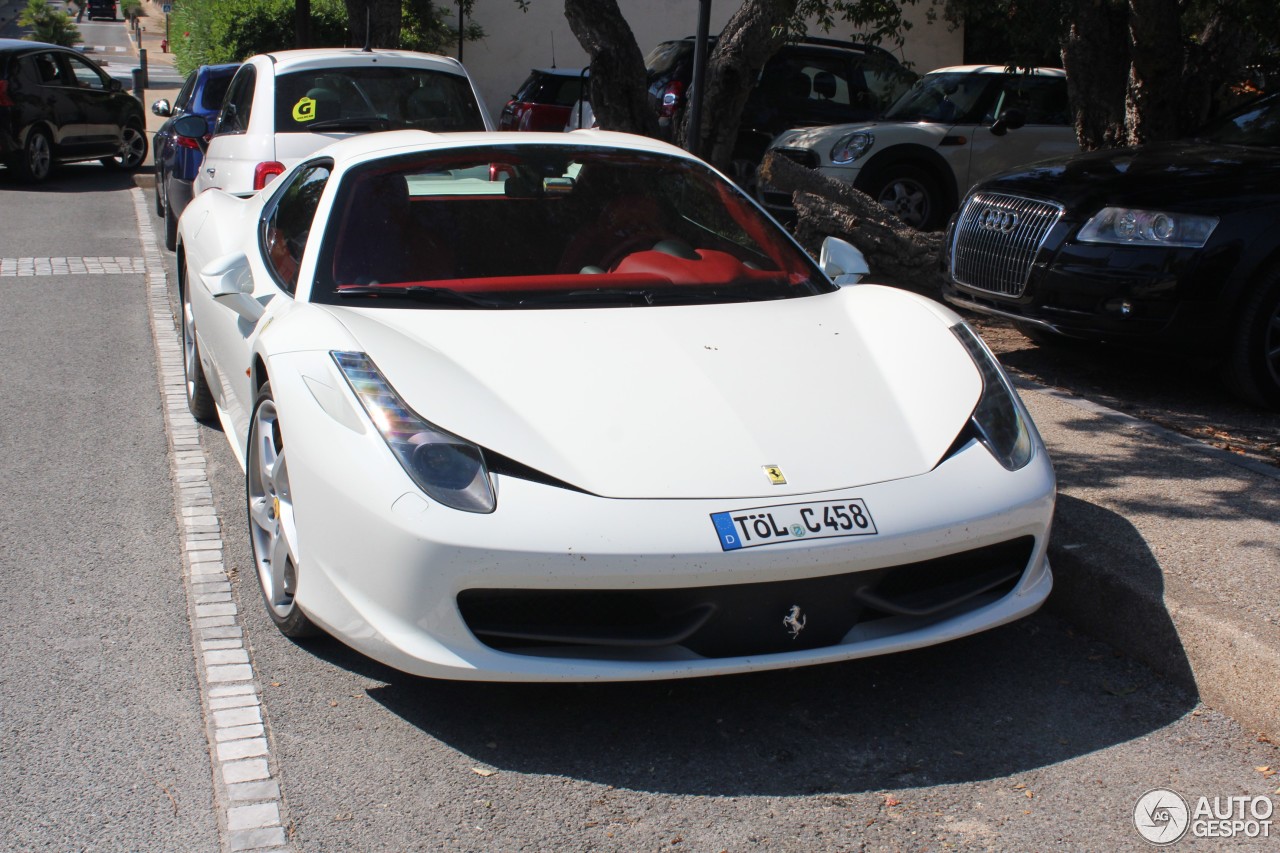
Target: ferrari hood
<point>859,386</point>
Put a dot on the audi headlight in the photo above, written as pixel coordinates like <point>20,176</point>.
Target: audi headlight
<point>851,146</point>
<point>999,419</point>
<point>448,468</point>
<point>1126,226</point>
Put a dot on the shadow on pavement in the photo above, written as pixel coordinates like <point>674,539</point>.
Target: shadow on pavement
<point>1017,698</point>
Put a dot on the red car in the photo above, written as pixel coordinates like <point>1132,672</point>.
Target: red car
<point>544,100</point>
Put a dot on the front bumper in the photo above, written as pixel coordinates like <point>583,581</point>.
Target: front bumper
<point>384,569</point>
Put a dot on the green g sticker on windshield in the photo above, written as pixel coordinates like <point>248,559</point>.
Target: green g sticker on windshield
<point>305,109</point>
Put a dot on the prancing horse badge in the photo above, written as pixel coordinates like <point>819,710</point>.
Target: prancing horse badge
<point>795,621</point>
<point>774,473</point>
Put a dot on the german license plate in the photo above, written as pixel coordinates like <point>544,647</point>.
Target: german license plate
<point>769,525</point>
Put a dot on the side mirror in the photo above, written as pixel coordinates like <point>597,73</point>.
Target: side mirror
<point>115,85</point>
<point>192,127</point>
<point>842,262</point>
<point>1010,119</point>
<point>229,279</point>
<point>162,108</point>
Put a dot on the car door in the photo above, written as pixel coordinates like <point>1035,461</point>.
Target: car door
<point>1048,131</point>
<point>283,232</point>
<point>234,151</point>
<point>163,148</point>
<point>92,92</point>
<point>54,102</point>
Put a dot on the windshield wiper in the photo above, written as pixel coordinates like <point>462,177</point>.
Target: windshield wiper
<point>419,292</point>
<point>352,123</point>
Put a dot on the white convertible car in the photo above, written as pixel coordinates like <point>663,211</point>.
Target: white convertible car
<point>571,407</point>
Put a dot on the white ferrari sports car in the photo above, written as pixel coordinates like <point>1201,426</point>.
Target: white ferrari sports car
<point>572,407</point>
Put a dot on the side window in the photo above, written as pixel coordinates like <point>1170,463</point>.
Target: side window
<point>1042,99</point>
<point>287,224</point>
<point>234,117</point>
<point>180,102</point>
<point>85,75</point>
<point>49,72</point>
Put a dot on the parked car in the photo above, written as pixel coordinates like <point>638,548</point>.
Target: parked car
<point>282,106</point>
<point>101,9</point>
<point>397,337</point>
<point>953,128</point>
<point>810,82</point>
<point>57,106</point>
<point>544,100</point>
<point>177,158</point>
<point>1173,246</point>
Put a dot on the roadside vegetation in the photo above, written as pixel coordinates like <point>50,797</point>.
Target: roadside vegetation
<point>48,24</point>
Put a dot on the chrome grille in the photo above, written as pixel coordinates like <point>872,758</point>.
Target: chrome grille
<point>996,241</point>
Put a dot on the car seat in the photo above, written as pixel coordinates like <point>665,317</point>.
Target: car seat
<point>380,242</point>
<point>824,85</point>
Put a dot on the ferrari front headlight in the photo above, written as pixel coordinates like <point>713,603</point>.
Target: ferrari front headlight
<point>1126,226</point>
<point>447,468</point>
<point>999,419</point>
<point>851,146</point>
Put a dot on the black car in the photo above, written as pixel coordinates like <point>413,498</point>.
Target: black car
<point>56,106</point>
<point>1173,245</point>
<point>102,9</point>
<point>811,82</point>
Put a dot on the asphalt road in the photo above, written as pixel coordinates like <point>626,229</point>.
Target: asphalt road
<point>1028,737</point>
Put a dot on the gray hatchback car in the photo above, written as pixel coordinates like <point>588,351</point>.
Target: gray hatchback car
<point>57,106</point>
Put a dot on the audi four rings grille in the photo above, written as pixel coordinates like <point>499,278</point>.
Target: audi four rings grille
<point>996,241</point>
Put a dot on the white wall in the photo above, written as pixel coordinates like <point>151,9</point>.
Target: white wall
<point>517,42</point>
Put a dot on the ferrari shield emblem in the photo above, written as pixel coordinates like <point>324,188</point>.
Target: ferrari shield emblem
<point>774,473</point>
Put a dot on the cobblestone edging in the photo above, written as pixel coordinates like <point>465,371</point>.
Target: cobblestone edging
<point>246,787</point>
<point>70,266</point>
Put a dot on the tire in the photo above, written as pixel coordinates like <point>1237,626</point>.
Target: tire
<point>160,205</point>
<point>1253,367</point>
<point>911,193</point>
<point>170,226</point>
<point>133,149</point>
<point>34,163</point>
<point>199,397</point>
<point>272,532</point>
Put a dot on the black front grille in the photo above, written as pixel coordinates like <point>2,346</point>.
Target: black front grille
<point>996,240</point>
<point>737,619</point>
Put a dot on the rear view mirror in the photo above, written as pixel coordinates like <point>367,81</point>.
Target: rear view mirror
<point>192,127</point>
<point>842,262</point>
<point>162,108</point>
<point>1010,119</point>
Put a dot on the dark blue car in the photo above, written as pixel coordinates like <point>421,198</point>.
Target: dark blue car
<point>178,159</point>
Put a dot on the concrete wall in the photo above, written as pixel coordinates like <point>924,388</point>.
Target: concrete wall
<point>517,41</point>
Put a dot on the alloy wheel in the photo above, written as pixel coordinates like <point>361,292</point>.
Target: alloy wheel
<point>271,519</point>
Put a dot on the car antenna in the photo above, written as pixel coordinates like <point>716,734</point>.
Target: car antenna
<point>553,48</point>
<point>368,35</point>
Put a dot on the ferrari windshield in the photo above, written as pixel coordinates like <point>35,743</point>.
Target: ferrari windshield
<point>534,226</point>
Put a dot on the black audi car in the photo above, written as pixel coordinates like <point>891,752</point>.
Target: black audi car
<point>1173,246</point>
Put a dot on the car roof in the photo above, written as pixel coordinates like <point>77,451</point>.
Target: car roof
<point>374,146</point>
<point>561,72</point>
<point>998,69</point>
<point>24,44</point>
<point>346,57</point>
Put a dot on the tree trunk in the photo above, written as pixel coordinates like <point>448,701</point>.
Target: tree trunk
<point>618,95</point>
<point>1155,75</point>
<point>897,253</point>
<point>383,22</point>
<point>749,39</point>
<point>1095,54</point>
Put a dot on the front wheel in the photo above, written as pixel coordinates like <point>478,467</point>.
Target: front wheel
<point>911,193</point>
<point>133,150</point>
<point>272,530</point>
<point>1253,369</point>
<point>199,396</point>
